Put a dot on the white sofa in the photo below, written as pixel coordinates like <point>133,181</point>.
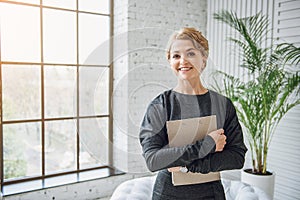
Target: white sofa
<point>141,189</point>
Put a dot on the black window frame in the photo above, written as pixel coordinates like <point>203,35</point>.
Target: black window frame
<point>42,120</point>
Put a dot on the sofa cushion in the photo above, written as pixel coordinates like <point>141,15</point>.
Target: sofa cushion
<point>141,189</point>
<point>138,188</point>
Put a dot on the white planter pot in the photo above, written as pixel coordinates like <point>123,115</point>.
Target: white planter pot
<point>264,182</point>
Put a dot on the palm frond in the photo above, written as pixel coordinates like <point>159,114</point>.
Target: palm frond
<point>251,30</point>
<point>290,85</point>
<point>289,52</point>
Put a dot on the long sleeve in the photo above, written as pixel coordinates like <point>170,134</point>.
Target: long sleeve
<point>232,156</point>
<point>154,141</point>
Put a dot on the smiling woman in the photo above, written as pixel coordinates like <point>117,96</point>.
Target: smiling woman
<point>221,149</point>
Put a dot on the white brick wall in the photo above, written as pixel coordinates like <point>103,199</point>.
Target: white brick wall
<point>142,72</point>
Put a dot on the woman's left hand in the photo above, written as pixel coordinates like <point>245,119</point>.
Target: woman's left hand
<point>174,169</point>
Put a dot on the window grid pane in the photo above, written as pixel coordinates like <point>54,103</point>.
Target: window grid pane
<point>59,36</point>
<point>93,91</point>
<point>21,91</point>
<point>22,150</point>
<point>60,81</point>
<point>93,41</point>
<point>68,4</point>
<point>20,39</point>
<point>60,146</point>
<point>28,1</point>
<point>93,142</point>
<point>97,6</point>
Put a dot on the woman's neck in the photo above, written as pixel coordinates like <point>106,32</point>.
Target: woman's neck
<point>189,87</point>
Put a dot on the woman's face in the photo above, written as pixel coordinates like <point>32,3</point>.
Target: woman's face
<point>186,61</point>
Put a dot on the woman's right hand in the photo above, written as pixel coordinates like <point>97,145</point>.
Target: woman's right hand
<point>219,138</point>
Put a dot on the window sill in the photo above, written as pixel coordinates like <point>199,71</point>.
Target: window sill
<point>46,183</point>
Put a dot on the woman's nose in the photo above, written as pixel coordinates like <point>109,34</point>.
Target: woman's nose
<point>182,60</point>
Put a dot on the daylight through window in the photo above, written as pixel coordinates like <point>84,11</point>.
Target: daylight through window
<point>55,80</point>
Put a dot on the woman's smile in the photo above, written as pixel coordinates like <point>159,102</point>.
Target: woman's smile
<point>185,69</point>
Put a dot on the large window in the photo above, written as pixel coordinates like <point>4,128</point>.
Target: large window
<point>55,87</point>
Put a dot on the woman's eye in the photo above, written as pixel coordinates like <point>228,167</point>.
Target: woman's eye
<point>191,54</point>
<point>176,56</point>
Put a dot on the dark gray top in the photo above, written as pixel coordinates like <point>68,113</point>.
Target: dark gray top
<point>198,157</point>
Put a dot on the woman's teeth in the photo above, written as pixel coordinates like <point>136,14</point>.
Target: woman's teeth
<point>184,68</point>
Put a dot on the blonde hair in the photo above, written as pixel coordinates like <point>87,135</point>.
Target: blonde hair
<point>196,37</point>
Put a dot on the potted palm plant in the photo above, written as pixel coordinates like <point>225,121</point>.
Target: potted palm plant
<point>268,94</point>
